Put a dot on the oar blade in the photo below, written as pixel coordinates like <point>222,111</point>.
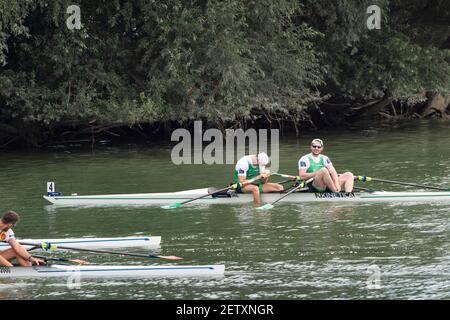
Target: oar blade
<point>79,261</point>
<point>172,206</point>
<point>267,206</point>
<point>167,257</point>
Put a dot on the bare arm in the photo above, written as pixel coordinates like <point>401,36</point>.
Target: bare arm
<point>304,175</point>
<point>19,249</point>
<point>244,181</point>
<point>23,253</point>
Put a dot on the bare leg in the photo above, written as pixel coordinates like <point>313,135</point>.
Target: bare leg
<point>323,180</point>
<point>272,187</point>
<point>4,262</point>
<point>251,188</point>
<point>10,254</point>
<point>346,180</point>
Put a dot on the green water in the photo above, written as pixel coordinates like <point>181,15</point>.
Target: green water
<point>295,251</point>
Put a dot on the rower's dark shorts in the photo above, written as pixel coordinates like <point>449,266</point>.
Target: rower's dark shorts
<point>313,189</point>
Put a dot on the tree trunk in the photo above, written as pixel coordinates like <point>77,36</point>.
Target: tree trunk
<point>437,105</point>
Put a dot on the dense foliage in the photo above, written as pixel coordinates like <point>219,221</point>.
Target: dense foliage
<point>141,62</point>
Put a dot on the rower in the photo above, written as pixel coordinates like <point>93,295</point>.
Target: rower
<point>17,251</point>
<point>319,167</point>
<point>254,167</point>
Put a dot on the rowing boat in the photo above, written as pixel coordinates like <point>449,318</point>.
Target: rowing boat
<point>98,271</point>
<point>118,242</point>
<point>238,198</point>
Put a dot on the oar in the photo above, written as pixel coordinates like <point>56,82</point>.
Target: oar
<point>49,245</point>
<point>289,177</point>
<point>79,261</point>
<point>233,186</point>
<point>363,189</point>
<point>365,178</point>
<point>284,176</point>
<point>269,206</point>
<point>284,181</point>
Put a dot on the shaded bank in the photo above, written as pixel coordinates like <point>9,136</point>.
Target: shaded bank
<point>93,136</point>
<point>146,67</point>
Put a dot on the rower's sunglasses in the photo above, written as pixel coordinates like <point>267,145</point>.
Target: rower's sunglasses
<point>316,147</point>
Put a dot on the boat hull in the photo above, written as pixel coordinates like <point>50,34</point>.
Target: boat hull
<point>300,197</point>
<point>84,271</point>
<point>95,243</point>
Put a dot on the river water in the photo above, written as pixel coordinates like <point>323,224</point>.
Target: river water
<point>295,251</point>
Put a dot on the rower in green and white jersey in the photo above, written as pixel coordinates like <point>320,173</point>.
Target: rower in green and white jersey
<point>251,167</point>
<point>318,166</point>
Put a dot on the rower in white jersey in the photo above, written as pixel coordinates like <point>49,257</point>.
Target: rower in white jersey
<point>17,251</point>
<point>254,167</point>
<point>319,167</point>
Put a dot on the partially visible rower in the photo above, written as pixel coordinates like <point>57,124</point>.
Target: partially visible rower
<point>17,251</point>
<point>319,167</point>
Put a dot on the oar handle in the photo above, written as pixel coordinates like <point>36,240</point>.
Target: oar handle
<point>363,178</point>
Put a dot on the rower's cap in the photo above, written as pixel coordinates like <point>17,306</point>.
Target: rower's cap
<point>319,141</point>
<point>263,159</point>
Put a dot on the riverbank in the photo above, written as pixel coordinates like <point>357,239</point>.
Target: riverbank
<point>93,135</point>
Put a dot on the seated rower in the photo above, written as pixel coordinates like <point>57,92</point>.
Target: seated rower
<point>319,167</point>
<point>17,251</point>
<point>254,167</point>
